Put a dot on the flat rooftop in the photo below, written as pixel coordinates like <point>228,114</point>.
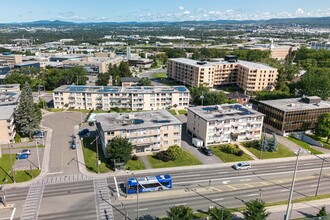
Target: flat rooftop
<point>6,112</point>
<point>223,112</point>
<point>9,97</point>
<point>119,89</point>
<point>136,120</point>
<point>296,104</point>
<point>221,61</point>
<point>9,87</point>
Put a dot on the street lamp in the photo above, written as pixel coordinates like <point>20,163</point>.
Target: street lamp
<point>11,163</point>
<point>36,140</point>
<point>288,213</point>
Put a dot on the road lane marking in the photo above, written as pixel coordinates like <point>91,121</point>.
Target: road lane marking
<point>10,195</point>
<point>53,173</point>
<point>245,180</point>
<point>264,183</point>
<point>284,190</point>
<point>216,189</point>
<point>307,164</point>
<point>218,199</point>
<point>145,209</point>
<point>189,175</point>
<point>314,185</point>
<point>225,182</point>
<point>180,204</point>
<point>231,187</point>
<point>249,185</point>
<point>222,172</point>
<point>280,166</point>
<point>255,194</point>
<point>280,181</point>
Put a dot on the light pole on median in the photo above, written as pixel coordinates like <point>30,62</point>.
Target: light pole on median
<point>11,163</point>
<point>137,200</point>
<point>36,140</point>
<point>288,214</point>
<point>319,181</point>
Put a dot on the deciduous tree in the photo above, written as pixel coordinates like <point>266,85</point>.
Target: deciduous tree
<point>322,126</point>
<point>255,210</point>
<point>120,149</point>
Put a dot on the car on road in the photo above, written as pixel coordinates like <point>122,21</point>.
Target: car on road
<point>24,151</point>
<point>206,151</point>
<point>84,132</point>
<point>22,156</point>
<point>242,166</point>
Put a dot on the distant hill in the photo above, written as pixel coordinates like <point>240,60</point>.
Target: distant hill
<point>319,21</point>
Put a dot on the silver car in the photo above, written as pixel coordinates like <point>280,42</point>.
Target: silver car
<point>242,166</point>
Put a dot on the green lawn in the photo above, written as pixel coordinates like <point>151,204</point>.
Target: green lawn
<point>160,75</point>
<point>182,112</point>
<point>6,174</point>
<point>227,157</point>
<point>186,159</point>
<point>89,151</point>
<point>304,145</point>
<point>322,140</point>
<point>172,111</point>
<point>281,152</point>
<point>135,165</point>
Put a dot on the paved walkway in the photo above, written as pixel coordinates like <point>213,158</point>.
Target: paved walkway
<point>246,151</point>
<point>146,162</point>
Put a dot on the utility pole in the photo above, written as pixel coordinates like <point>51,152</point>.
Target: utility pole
<point>137,200</point>
<point>318,183</point>
<point>36,140</point>
<point>288,213</point>
<point>11,163</point>
<point>97,154</point>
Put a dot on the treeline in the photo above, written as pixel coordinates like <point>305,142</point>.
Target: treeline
<point>49,78</point>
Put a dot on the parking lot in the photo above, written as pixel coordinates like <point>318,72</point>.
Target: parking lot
<point>32,161</point>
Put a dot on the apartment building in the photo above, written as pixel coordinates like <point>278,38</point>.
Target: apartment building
<point>284,116</point>
<point>218,72</point>
<point>147,131</point>
<point>133,98</point>
<point>7,125</point>
<point>218,124</point>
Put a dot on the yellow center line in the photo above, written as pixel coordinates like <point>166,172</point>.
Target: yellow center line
<point>216,189</point>
<point>231,187</point>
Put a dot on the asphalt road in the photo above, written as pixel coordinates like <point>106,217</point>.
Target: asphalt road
<point>61,154</point>
<point>76,199</point>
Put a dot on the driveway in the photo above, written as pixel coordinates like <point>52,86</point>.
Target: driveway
<point>61,155</point>
<point>186,144</point>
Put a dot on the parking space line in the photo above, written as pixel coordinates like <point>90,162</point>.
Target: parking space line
<point>231,187</point>
<point>216,189</point>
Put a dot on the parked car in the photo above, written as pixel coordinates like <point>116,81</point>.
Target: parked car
<point>206,151</point>
<point>22,156</point>
<point>83,132</point>
<point>39,134</point>
<point>242,166</point>
<point>24,151</point>
<point>73,145</point>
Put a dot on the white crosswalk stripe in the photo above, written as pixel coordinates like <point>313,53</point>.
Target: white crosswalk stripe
<point>32,203</point>
<point>62,179</point>
<point>102,197</point>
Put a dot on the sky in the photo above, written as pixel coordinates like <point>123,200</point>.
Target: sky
<point>158,10</point>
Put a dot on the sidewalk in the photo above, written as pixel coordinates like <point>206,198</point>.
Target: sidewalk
<point>246,151</point>
<point>146,162</point>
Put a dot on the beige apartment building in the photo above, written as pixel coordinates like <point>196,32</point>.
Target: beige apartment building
<point>219,124</point>
<point>218,72</point>
<point>133,98</point>
<point>148,131</point>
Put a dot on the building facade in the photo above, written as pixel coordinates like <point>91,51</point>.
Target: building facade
<point>147,131</point>
<point>219,124</point>
<point>218,72</point>
<point>133,98</point>
<point>11,59</point>
<point>284,116</point>
<point>7,125</point>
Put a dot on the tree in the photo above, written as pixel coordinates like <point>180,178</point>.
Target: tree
<point>322,212</point>
<point>322,126</point>
<point>216,213</point>
<point>16,78</point>
<point>316,82</point>
<point>174,151</point>
<point>145,81</point>
<point>255,210</point>
<point>27,114</point>
<point>210,97</point>
<point>102,79</point>
<point>120,149</point>
<point>124,69</point>
<point>180,212</point>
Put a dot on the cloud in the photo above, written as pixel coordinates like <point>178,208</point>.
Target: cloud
<point>186,12</point>
<point>181,8</point>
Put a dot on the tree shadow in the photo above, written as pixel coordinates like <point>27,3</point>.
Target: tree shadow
<point>7,174</point>
<point>307,215</point>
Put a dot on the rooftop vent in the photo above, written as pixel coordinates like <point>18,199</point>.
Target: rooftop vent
<point>231,58</point>
<point>201,62</point>
<point>311,99</point>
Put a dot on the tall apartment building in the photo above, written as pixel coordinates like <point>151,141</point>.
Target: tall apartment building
<point>132,98</point>
<point>247,75</point>
<point>147,131</point>
<point>226,123</point>
<point>284,116</point>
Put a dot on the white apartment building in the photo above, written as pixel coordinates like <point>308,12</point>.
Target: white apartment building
<point>147,131</point>
<point>133,98</point>
<point>219,124</point>
<point>7,125</point>
<point>217,72</point>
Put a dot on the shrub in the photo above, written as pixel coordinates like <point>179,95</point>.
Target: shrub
<point>229,149</point>
<point>252,144</point>
<point>162,155</point>
<point>134,157</point>
<point>173,152</point>
<point>17,138</point>
<point>240,153</point>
